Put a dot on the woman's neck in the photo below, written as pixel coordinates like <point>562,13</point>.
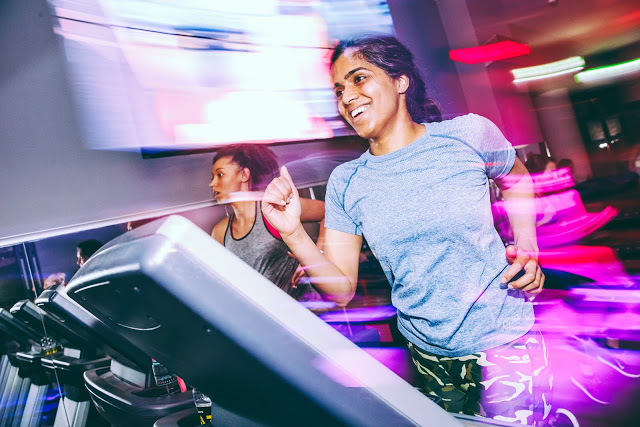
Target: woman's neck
<point>244,211</point>
<point>400,134</point>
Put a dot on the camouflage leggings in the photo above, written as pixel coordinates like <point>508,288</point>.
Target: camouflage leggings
<point>511,382</point>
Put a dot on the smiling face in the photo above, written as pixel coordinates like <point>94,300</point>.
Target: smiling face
<point>228,177</point>
<point>368,99</point>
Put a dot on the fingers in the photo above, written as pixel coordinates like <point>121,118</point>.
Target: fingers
<point>511,252</point>
<point>281,189</point>
<point>284,172</point>
<point>297,275</point>
<point>518,259</point>
<point>512,271</point>
<point>532,280</point>
<point>529,276</point>
<point>274,194</point>
<point>537,285</point>
<point>272,198</point>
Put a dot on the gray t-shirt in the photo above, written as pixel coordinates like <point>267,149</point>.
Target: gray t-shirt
<point>425,213</point>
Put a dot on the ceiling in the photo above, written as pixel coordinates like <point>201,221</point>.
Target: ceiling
<point>556,29</point>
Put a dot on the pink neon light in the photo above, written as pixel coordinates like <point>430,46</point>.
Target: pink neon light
<point>490,52</point>
<point>181,383</point>
<point>629,18</point>
<point>569,220</point>
<point>561,217</point>
<point>598,263</point>
<point>556,180</point>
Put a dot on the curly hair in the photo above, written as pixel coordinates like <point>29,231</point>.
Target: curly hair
<point>388,54</point>
<point>259,159</point>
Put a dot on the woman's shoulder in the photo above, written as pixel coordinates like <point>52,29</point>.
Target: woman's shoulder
<point>472,129</point>
<point>219,229</point>
<point>342,172</point>
<point>464,122</point>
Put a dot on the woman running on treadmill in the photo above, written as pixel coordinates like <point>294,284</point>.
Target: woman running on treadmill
<point>420,196</point>
<point>238,173</point>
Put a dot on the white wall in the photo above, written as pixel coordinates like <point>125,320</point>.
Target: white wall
<point>487,88</point>
<point>417,24</point>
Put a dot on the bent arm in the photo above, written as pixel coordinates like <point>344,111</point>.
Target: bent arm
<point>519,202</point>
<point>518,193</point>
<point>335,273</point>
<point>312,210</point>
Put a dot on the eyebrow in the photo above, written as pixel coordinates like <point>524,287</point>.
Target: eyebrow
<point>350,73</point>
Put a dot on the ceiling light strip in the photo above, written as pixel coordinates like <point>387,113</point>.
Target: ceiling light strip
<point>545,76</point>
<point>545,70</point>
<point>608,72</point>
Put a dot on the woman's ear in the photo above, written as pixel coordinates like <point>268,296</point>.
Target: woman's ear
<point>245,174</point>
<point>402,83</point>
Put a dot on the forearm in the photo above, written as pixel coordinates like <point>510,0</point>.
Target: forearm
<point>321,233</point>
<point>326,277</point>
<point>519,201</point>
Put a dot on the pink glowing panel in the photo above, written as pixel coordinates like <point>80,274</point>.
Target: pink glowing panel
<point>571,230</point>
<point>625,326</point>
<point>318,305</point>
<point>598,263</point>
<point>577,255</point>
<point>589,378</point>
<point>360,315</point>
<point>622,296</point>
<point>545,182</point>
<point>561,218</point>
<point>564,206</point>
<point>491,52</point>
<point>397,359</point>
<point>562,319</point>
<point>556,180</point>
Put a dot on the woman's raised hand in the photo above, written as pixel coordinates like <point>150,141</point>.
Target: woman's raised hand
<point>281,204</point>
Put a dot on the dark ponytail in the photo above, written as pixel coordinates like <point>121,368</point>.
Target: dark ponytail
<point>388,54</point>
<point>260,160</point>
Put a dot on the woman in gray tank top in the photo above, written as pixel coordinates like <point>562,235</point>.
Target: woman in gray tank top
<point>238,171</point>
